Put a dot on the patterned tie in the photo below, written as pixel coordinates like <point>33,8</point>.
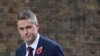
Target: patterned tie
<point>30,50</point>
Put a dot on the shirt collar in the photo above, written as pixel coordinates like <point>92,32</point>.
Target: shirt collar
<point>35,42</point>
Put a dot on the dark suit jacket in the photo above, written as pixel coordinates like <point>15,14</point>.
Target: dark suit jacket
<point>50,48</point>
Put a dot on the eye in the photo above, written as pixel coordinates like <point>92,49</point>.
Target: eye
<point>21,28</point>
<point>28,27</point>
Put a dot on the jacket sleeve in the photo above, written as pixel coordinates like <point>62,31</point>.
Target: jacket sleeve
<point>16,53</point>
<point>58,51</point>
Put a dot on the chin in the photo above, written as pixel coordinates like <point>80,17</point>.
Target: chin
<point>29,41</point>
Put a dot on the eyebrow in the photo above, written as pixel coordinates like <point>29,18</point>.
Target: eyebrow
<point>25,27</point>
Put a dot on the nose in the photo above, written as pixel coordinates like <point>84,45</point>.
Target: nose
<point>25,32</point>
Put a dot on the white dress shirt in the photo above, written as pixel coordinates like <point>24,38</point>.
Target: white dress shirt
<point>33,45</point>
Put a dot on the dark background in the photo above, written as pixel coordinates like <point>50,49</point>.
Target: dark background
<point>74,24</point>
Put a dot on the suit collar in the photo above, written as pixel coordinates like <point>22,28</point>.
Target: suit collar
<point>23,50</point>
<point>39,46</point>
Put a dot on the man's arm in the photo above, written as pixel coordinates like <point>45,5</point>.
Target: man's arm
<point>58,51</point>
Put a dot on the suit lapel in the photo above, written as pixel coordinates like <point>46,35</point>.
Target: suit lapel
<point>23,50</point>
<point>39,48</point>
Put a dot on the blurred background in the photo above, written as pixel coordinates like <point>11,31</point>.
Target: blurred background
<point>74,24</point>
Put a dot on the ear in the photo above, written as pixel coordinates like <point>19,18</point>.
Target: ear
<point>37,26</point>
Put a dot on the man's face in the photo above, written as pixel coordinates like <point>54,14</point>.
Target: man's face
<point>27,30</point>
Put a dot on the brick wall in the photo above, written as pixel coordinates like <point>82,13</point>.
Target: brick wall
<point>74,24</point>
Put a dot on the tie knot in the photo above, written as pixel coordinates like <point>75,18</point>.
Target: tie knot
<point>30,49</point>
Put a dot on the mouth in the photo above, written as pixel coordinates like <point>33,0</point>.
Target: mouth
<point>27,36</point>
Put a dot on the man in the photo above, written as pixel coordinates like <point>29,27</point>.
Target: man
<point>35,44</point>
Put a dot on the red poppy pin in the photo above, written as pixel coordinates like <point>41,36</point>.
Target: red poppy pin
<point>39,50</point>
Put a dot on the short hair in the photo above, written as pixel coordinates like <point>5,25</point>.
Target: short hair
<point>27,14</point>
